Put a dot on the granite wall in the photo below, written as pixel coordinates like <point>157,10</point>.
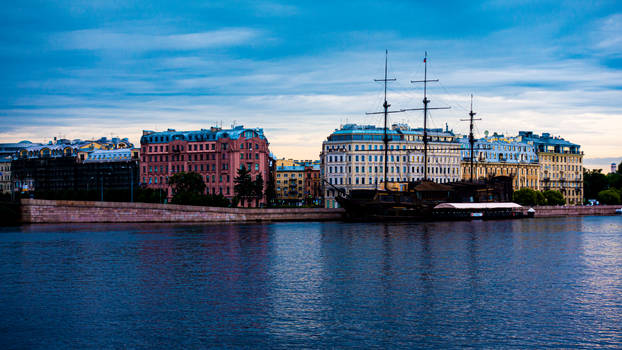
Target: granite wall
<point>53,211</point>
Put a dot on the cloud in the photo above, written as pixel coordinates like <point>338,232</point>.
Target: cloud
<point>103,39</point>
<point>608,35</point>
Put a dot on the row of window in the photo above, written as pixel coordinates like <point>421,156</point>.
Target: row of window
<point>380,158</point>
<point>196,147</point>
<point>391,169</point>
<point>377,180</point>
<point>485,171</point>
<point>291,175</point>
<point>380,147</point>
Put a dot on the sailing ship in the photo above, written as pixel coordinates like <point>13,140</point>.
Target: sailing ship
<point>425,199</point>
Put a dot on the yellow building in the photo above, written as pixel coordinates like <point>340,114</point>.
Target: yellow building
<point>525,175</point>
<point>290,184</point>
<point>563,172</point>
<point>561,165</point>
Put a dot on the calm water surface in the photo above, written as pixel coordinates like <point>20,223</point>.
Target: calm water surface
<point>524,284</point>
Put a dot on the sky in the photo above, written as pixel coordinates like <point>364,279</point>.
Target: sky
<point>300,69</point>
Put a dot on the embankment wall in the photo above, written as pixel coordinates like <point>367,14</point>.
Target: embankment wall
<point>553,211</point>
<point>57,211</point>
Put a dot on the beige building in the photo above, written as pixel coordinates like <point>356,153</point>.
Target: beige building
<point>5,175</point>
<point>353,158</point>
<point>525,175</point>
<point>561,165</point>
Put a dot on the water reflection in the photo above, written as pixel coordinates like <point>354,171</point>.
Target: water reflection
<point>530,283</point>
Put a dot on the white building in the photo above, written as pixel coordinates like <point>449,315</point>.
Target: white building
<point>353,157</point>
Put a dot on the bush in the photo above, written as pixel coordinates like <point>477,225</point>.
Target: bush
<point>554,197</point>
<point>610,196</point>
<point>525,196</point>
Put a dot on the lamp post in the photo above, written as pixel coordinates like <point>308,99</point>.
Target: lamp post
<point>87,185</point>
<point>102,185</point>
<point>131,182</point>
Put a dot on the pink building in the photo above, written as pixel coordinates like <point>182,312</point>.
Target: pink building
<point>214,153</point>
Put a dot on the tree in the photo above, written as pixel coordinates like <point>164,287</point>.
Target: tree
<point>525,196</point>
<point>610,196</point>
<point>258,189</point>
<point>594,181</point>
<point>620,168</point>
<point>150,195</point>
<point>540,199</point>
<point>614,180</point>
<point>187,182</point>
<point>243,187</point>
<point>270,191</point>
<point>554,197</point>
<point>188,188</point>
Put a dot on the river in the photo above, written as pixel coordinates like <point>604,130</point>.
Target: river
<point>530,283</point>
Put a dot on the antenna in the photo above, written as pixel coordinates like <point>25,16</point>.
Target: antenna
<point>471,138</point>
<point>386,111</point>
<point>425,113</point>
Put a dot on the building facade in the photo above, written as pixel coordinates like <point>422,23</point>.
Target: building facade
<point>6,185</point>
<point>290,184</point>
<point>71,166</point>
<point>313,185</point>
<point>298,182</point>
<point>500,155</point>
<point>215,153</point>
<point>353,158</point>
<point>10,149</point>
<point>561,165</point>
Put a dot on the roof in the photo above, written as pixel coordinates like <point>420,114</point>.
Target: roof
<point>200,135</point>
<point>546,139</point>
<point>396,130</point>
<point>109,156</point>
<point>290,168</point>
<point>491,205</point>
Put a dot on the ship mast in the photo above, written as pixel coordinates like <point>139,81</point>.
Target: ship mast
<point>471,138</point>
<point>385,105</point>
<point>425,113</point>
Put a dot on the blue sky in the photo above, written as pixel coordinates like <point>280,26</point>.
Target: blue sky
<point>81,69</point>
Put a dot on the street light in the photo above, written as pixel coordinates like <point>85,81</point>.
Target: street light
<point>87,185</point>
<point>102,185</point>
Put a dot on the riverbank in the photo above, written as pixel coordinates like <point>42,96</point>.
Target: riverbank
<point>60,211</point>
<point>548,211</point>
<point>57,211</point>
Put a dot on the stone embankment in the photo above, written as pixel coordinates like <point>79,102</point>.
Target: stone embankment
<point>553,211</point>
<point>53,211</point>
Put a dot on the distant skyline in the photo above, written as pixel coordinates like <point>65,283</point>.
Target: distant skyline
<point>300,70</point>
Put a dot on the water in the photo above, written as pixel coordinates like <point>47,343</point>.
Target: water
<point>525,284</point>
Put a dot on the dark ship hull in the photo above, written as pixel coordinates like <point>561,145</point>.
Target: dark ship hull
<point>418,203</point>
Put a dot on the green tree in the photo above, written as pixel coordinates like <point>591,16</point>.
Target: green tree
<point>610,196</point>
<point>620,168</point>
<point>554,197</point>
<point>243,184</point>
<point>258,189</point>
<point>271,191</point>
<point>614,180</point>
<point>540,199</point>
<point>525,196</point>
<point>188,188</point>
<point>594,181</point>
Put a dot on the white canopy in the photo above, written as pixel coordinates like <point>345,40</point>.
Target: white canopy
<point>491,205</point>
